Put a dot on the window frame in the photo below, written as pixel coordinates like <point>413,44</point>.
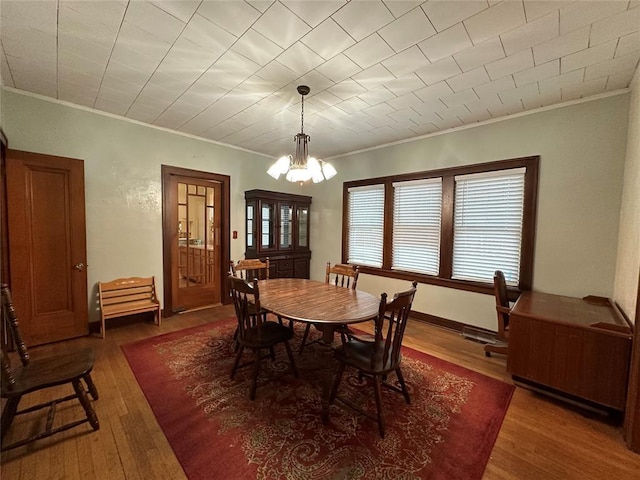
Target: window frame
<point>448,175</point>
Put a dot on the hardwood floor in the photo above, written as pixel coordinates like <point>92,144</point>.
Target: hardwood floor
<point>540,438</point>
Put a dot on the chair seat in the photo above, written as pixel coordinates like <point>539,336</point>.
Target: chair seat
<point>51,371</point>
<point>266,335</point>
<point>359,355</point>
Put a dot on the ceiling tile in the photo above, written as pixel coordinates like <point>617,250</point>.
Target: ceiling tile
<point>376,96</point>
<point>187,57</point>
<point>580,14</point>
<point>406,100</point>
<point>407,30</point>
<point>373,77</point>
<point>564,80</point>
<point>616,26</point>
<point>40,16</point>
<point>234,16</point>
<point>317,38</point>
<point>313,79</point>
<point>559,47</point>
<point>153,20</point>
<point>494,21</point>
<point>461,98</point>
<point>444,14</point>
<point>491,88</point>
<point>281,26</point>
<point>208,35</point>
<point>511,64</point>
<point>346,89</point>
<point>400,7</point>
<point>588,56</point>
<point>181,9</point>
<point>592,87</point>
<point>256,47</point>
<point>628,44</point>
<point>277,74</point>
<point>360,19</point>
<point>440,70</point>
<point>626,63</point>
<point>313,13</point>
<point>616,81</point>
<point>530,34</point>
<point>537,73</point>
<point>371,50</point>
<point>339,68</point>
<point>481,54</point>
<point>434,91</point>
<point>300,58</point>
<point>535,8</point>
<point>405,84</point>
<point>353,105</point>
<point>469,79</point>
<point>518,93</point>
<point>446,43</point>
<point>406,62</point>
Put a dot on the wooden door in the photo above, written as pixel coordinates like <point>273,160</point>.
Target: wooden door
<point>195,216</point>
<point>47,245</point>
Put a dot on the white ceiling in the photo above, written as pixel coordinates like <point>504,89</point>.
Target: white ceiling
<point>379,71</point>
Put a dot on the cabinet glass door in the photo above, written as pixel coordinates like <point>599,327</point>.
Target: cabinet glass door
<point>251,233</point>
<point>303,226</point>
<point>268,225</point>
<point>286,226</point>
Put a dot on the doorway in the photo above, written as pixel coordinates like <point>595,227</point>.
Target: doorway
<point>195,210</point>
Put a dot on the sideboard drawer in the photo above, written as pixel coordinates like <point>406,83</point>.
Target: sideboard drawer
<point>285,265</point>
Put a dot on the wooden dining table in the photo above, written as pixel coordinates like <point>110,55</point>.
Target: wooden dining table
<point>325,305</point>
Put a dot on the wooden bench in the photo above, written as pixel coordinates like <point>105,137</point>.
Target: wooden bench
<point>127,296</point>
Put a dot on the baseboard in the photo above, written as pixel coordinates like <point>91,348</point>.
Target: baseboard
<point>468,331</point>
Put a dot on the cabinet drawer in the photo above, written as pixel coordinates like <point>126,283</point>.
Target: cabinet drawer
<point>285,274</point>
<point>284,265</point>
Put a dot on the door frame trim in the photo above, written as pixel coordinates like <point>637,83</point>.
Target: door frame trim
<point>168,201</point>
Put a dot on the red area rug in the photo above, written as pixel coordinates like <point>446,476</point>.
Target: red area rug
<point>216,432</point>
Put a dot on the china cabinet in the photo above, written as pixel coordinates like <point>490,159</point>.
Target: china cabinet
<point>277,226</point>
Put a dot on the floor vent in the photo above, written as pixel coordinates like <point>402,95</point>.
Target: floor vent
<point>478,335</point>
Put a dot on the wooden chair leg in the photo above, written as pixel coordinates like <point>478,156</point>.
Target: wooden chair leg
<point>378,393</point>
<point>304,338</point>
<point>405,392</point>
<point>8,414</point>
<point>93,391</point>
<point>290,355</point>
<point>84,401</point>
<point>336,383</point>
<point>256,370</point>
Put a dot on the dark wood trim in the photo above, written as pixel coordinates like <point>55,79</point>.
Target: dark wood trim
<point>632,415</point>
<point>225,228</point>
<point>447,226</point>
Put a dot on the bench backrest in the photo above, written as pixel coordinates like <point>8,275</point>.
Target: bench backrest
<point>124,290</point>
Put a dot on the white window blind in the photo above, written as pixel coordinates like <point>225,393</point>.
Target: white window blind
<point>366,223</point>
<point>417,209</point>
<point>488,217</point>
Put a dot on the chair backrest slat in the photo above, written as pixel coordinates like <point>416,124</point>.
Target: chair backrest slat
<point>502,303</point>
<point>342,275</point>
<point>11,320</point>
<point>250,268</point>
<point>390,326</point>
<point>246,297</point>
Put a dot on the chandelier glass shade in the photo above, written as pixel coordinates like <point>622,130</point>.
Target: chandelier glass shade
<point>301,168</point>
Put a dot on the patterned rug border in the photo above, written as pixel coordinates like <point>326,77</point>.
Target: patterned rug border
<point>187,443</point>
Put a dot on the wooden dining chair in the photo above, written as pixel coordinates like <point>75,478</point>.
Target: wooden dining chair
<point>32,375</point>
<point>254,331</point>
<point>250,268</point>
<point>341,275</point>
<point>379,356</point>
<point>503,310</point>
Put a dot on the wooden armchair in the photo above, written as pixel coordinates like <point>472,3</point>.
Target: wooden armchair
<point>379,356</point>
<point>503,310</point>
<point>341,275</point>
<point>37,374</point>
<point>254,331</point>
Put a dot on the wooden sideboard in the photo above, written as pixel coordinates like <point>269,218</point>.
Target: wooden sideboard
<point>579,349</point>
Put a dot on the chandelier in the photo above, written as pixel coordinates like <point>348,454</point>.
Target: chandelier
<point>301,167</point>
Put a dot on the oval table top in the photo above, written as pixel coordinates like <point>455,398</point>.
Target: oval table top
<point>316,302</point>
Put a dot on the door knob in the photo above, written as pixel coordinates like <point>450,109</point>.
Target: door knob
<point>79,266</point>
